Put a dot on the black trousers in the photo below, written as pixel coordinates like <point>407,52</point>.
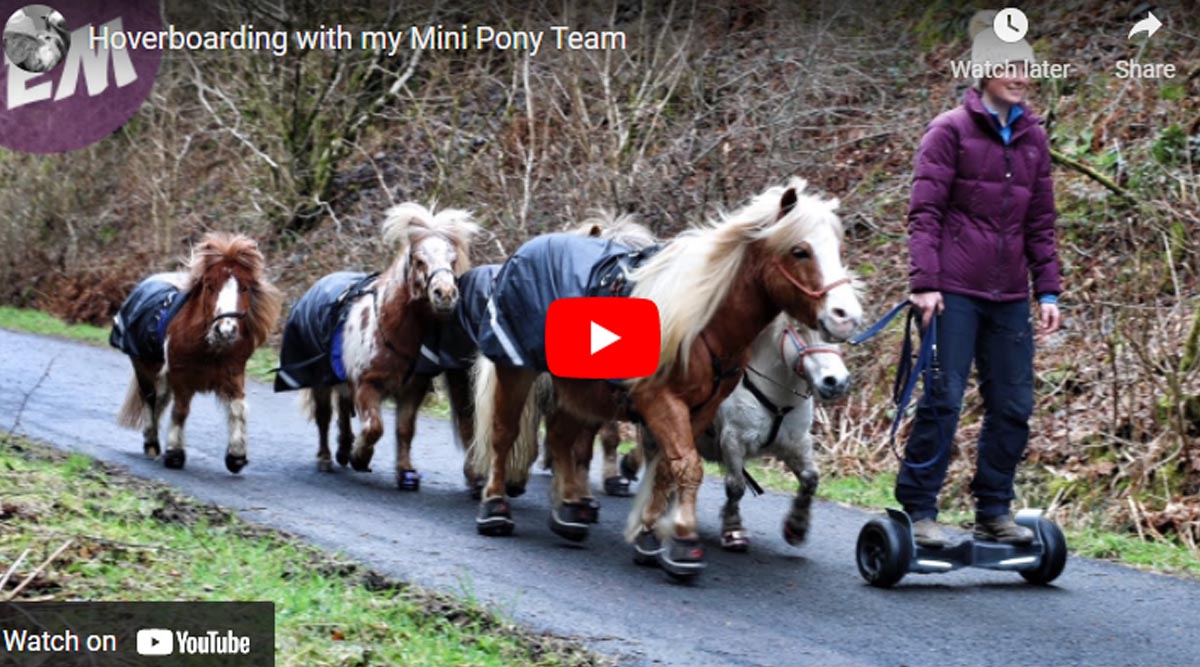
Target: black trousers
<point>998,338</point>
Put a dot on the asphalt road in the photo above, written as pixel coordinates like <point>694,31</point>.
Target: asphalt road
<point>777,605</point>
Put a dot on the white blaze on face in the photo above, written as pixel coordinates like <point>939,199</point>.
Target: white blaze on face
<point>227,302</point>
<point>441,289</point>
<point>841,313</point>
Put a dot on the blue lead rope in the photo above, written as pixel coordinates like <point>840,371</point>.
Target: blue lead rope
<point>907,371</point>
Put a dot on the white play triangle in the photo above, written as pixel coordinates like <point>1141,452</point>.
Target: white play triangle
<point>602,338</point>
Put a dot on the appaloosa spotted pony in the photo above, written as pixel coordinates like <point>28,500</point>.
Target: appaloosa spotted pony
<point>192,332</point>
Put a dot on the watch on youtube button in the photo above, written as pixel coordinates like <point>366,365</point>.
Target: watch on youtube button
<point>602,338</point>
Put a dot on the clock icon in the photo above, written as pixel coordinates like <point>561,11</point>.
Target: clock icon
<point>1010,24</point>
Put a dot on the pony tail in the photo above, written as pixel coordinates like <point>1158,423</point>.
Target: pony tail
<point>403,220</point>
<point>480,451</point>
<point>525,448</point>
<point>307,404</point>
<point>633,524</point>
<point>133,410</point>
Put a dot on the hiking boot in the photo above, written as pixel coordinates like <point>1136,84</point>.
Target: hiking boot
<point>929,533</point>
<point>1002,529</point>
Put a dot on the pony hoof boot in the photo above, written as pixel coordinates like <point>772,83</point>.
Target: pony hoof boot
<point>234,463</point>
<point>682,558</point>
<point>569,521</point>
<point>324,465</point>
<point>628,470</point>
<point>795,535</point>
<point>592,515</point>
<point>152,451</point>
<point>646,548</point>
<point>494,518</point>
<point>174,459</point>
<point>735,540</point>
<point>514,490</point>
<point>408,480</point>
<point>343,457</point>
<point>618,486</point>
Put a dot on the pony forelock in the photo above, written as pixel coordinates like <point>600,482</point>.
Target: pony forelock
<point>266,301</point>
<point>690,278</point>
<point>406,224</point>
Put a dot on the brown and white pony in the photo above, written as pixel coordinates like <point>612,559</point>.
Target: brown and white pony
<point>385,327</point>
<point>716,288</point>
<point>621,229</point>
<point>230,310</point>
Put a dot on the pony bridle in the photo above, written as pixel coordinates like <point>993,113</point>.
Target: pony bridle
<point>231,315</point>
<point>804,350</point>
<point>812,294</point>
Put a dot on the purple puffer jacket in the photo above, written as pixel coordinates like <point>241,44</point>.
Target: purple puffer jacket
<point>981,217</point>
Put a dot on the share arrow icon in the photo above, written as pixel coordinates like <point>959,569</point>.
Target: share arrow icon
<point>1148,25</point>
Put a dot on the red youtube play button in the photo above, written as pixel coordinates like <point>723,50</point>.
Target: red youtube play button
<point>602,338</point>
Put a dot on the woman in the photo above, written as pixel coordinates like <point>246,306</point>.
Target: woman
<point>981,223</point>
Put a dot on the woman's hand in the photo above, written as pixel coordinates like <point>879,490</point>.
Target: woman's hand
<point>1049,320</point>
<point>929,303</point>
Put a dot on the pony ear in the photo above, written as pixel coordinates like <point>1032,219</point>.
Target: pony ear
<point>787,202</point>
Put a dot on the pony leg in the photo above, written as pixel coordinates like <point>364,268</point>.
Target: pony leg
<point>235,453</point>
<point>569,513</point>
<point>407,405</point>
<point>322,411</point>
<point>799,459</point>
<point>616,483</point>
<point>733,534</point>
<point>367,399</point>
<point>156,399</point>
<point>499,401</point>
<point>345,415</point>
<point>175,456</point>
<point>634,460</point>
<point>682,471</point>
<point>584,453</point>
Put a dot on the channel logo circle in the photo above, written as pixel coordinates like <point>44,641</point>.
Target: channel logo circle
<point>64,93</point>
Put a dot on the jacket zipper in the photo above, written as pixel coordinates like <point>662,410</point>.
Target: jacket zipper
<point>1005,204</point>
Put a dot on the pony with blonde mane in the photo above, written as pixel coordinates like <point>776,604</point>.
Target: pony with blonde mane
<point>379,325</point>
<point>198,330</point>
<point>716,287</point>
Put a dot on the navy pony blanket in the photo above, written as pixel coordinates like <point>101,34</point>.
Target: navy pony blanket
<point>453,344</point>
<point>548,267</point>
<point>140,327</point>
<point>311,353</point>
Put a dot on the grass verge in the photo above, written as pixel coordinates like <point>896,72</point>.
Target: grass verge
<point>140,541</point>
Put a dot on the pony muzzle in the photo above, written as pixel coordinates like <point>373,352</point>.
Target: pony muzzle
<point>443,293</point>
<point>224,329</point>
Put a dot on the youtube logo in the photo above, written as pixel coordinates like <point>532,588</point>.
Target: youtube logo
<point>602,338</point>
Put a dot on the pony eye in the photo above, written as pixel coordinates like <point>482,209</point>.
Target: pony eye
<point>800,252</point>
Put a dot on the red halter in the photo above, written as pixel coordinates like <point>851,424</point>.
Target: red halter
<point>818,294</point>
